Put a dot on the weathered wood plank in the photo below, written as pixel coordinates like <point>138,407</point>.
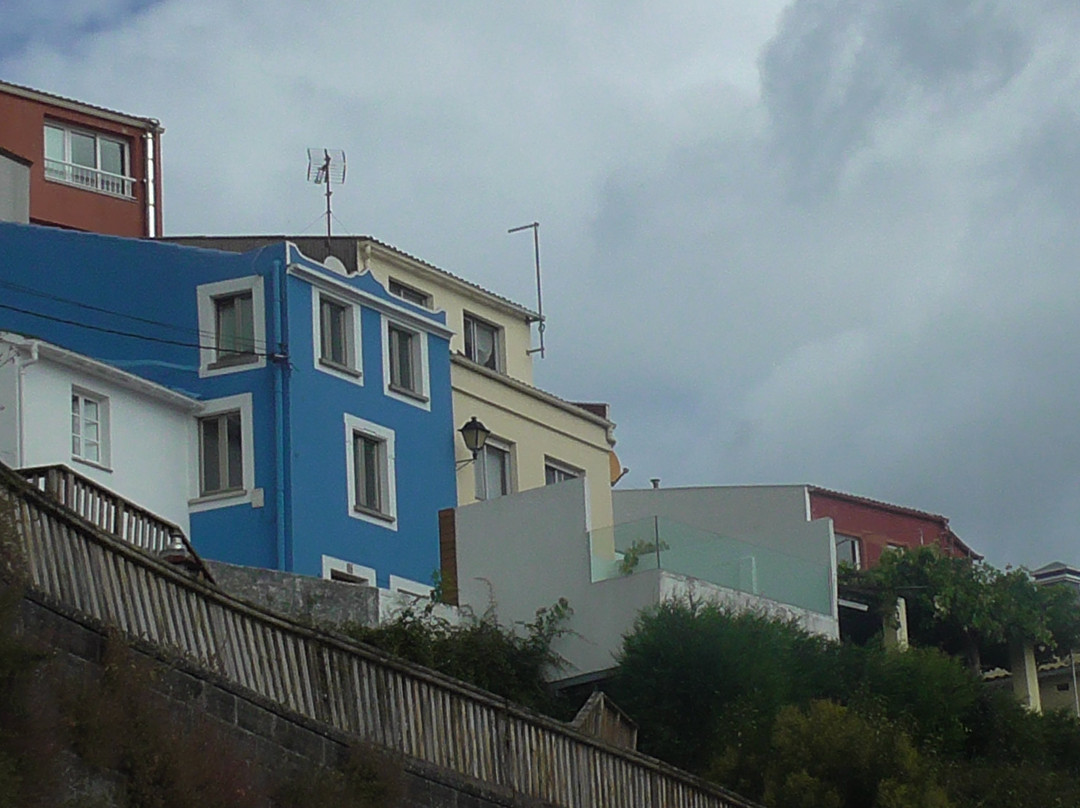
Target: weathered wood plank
<point>357,690</point>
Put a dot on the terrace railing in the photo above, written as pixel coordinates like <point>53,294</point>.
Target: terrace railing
<point>93,178</point>
<point>327,678</point>
<point>659,542</point>
<point>112,513</point>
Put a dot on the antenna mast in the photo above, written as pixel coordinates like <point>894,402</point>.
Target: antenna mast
<point>535,227</point>
<point>326,166</point>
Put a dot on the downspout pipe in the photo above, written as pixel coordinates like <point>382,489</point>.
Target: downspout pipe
<point>20,403</point>
<point>280,361</point>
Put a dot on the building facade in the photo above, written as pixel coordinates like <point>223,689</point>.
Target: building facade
<point>536,438</point>
<point>324,436</point>
<point>90,168</point>
<point>125,433</point>
<point>525,551</point>
<point>866,528</point>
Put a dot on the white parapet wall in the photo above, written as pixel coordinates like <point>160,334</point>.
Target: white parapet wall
<point>524,552</point>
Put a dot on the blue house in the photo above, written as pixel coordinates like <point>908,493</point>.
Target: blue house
<point>325,436</point>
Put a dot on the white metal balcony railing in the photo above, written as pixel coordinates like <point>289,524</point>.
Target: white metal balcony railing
<point>91,178</point>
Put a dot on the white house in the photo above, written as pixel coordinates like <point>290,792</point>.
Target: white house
<point>524,551</point>
<point>129,435</point>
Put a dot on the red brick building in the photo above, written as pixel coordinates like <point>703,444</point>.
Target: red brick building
<point>866,528</point>
<point>90,168</point>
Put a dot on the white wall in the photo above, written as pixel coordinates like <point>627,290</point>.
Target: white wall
<point>14,190</point>
<point>148,451</point>
<point>525,551</point>
<point>9,411</point>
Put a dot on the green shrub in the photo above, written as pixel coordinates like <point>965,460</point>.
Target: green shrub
<point>480,651</point>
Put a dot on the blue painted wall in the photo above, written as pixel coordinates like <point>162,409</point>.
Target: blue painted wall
<point>133,304</point>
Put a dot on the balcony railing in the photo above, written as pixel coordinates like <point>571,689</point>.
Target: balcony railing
<point>112,513</point>
<point>657,542</point>
<point>91,178</point>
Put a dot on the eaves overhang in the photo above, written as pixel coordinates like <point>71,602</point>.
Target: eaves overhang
<point>395,256</point>
<point>899,509</point>
<point>535,392</point>
<point>355,295</point>
<point>151,124</point>
<point>102,370</point>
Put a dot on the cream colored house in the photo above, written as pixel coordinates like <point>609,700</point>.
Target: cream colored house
<point>536,437</point>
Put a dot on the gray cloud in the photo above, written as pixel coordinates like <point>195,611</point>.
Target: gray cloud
<point>833,243</point>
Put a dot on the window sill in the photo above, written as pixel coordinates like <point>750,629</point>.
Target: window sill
<point>488,368</point>
<point>240,361</point>
<point>92,463</point>
<point>405,391</point>
<point>220,499</point>
<point>339,368</point>
<point>385,517</point>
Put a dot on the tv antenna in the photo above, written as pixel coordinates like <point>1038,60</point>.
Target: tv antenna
<point>326,167</point>
<point>535,227</point>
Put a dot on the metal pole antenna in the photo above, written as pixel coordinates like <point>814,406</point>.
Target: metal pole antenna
<point>539,293</point>
<point>326,173</point>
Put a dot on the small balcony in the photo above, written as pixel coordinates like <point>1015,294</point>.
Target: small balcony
<point>92,179</point>
<point>661,543</point>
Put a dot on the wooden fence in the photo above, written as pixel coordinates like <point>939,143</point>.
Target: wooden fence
<point>327,678</point>
<point>111,512</point>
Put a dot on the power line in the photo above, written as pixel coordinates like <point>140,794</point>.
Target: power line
<point>121,333</point>
<point>38,293</point>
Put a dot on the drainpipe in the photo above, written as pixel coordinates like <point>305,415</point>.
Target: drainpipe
<point>20,405</point>
<point>280,360</point>
<point>150,185</point>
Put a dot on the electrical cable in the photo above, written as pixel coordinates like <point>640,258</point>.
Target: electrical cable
<point>38,293</point>
<point>117,332</point>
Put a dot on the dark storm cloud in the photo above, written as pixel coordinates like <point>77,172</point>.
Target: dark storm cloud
<point>836,67</point>
<point>836,245</point>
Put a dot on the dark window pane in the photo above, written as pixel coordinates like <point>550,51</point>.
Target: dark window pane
<point>209,459</point>
<point>235,451</point>
<point>112,157</point>
<point>83,150</point>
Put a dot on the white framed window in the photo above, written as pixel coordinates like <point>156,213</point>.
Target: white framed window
<point>88,159</point>
<point>848,550</point>
<point>232,326</point>
<point>224,454</point>
<point>494,470</point>
<point>89,427</point>
<point>336,569</point>
<point>406,292</point>
<point>483,342</point>
<point>371,472</point>
<point>556,471</point>
<point>405,363</point>
<point>336,336</point>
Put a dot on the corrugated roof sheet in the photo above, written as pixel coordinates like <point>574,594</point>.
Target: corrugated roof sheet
<point>76,102</point>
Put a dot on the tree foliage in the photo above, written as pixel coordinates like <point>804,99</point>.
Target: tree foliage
<point>827,756</point>
<point>968,607</point>
<point>777,715</point>
<point>697,676</point>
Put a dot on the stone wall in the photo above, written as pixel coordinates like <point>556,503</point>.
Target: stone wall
<point>270,737</point>
<point>314,601</point>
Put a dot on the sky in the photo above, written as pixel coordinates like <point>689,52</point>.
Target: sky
<point>822,241</point>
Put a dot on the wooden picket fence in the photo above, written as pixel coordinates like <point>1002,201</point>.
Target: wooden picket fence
<point>327,678</point>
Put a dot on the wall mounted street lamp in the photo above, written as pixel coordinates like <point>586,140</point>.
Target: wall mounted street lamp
<point>475,435</point>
